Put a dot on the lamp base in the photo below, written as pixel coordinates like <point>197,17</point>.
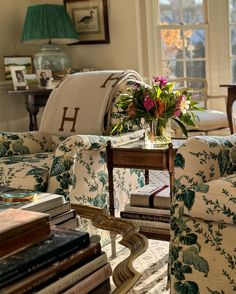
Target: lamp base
<point>51,57</point>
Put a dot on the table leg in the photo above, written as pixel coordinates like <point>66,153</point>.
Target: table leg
<point>111,197</point>
<point>230,102</point>
<point>33,110</point>
<point>146,176</point>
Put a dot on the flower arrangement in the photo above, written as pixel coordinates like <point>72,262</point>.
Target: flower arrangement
<point>159,102</point>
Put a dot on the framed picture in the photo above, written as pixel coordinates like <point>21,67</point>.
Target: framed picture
<point>32,80</point>
<point>90,18</point>
<point>44,77</point>
<point>18,77</point>
<point>10,61</point>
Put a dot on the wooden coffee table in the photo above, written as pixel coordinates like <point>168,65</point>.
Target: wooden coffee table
<point>137,155</point>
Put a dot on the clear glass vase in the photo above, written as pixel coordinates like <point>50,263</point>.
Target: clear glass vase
<point>158,133</point>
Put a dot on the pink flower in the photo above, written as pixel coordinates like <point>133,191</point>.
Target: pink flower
<point>159,81</point>
<point>148,103</point>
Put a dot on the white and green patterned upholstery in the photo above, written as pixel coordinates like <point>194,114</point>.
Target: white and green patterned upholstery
<point>203,217</point>
<point>74,166</point>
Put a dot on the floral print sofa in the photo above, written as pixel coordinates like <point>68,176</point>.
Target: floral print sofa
<point>203,217</point>
<point>72,163</point>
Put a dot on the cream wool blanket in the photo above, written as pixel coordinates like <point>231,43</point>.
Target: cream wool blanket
<point>79,104</point>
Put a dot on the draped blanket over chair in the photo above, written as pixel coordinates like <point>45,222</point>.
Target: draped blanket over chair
<point>67,155</point>
<point>203,222</point>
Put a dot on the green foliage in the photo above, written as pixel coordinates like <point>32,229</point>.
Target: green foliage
<point>179,160</point>
<point>188,287</point>
<point>191,257</point>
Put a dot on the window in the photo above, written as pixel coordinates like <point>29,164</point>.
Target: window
<point>183,31</point>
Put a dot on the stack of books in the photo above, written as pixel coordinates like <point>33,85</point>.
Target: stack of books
<point>150,208</point>
<point>59,260</point>
<point>55,205</point>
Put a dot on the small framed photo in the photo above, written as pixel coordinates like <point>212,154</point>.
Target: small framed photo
<point>10,61</point>
<point>32,80</point>
<point>44,77</point>
<point>18,77</point>
<point>90,18</point>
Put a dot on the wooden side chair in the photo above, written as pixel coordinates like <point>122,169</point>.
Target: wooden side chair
<point>210,121</point>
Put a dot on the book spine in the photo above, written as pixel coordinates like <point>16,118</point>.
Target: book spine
<point>69,224</point>
<point>54,270</point>
<point>55,212</point>
<point>64,217</point>
<point>75,276</point>
<point>159,202</point>
<point>152,224</point>
<point>146,210</point>
<point>139,216</point>
<point>44,259</point>
<point>154,230</point>
<point>92,281</point>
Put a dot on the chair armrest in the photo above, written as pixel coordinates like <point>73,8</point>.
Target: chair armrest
<point>24,143</point>
<point>124,275</point>
<point>94,142</point>
<point>204,158</point>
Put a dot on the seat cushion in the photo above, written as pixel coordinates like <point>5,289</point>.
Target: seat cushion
<point>29,171</point>
<point>210,120</point>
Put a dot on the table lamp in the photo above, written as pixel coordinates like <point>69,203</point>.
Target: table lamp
<point>49,24</point>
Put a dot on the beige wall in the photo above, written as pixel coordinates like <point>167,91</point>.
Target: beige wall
<point>121,53</point>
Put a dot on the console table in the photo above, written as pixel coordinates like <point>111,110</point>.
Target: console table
<point>34,99</point>
<point>230,101</point>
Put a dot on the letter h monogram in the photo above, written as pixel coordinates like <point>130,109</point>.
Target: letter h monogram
<point>66,118</point>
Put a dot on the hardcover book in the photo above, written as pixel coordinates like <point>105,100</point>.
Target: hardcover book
<point>151,224</point>
<point>52,273</point>
<point>143,216</point>
<point>91,281</point>
<point>146,210</point>
<point>41,202</point>
<point>25,239</point>
<point>75,276</point>
<point>151,196</point>
<point>62,243</point>
<point>58,210</point>
<point>64,217</point>
<point>16,221</point>
<point>69,224</point>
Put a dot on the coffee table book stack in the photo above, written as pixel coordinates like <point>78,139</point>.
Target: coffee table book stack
<point>55,205</point>
<point>149,207</point>
<point>64,260</point>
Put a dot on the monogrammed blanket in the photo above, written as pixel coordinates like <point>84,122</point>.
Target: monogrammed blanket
<point>79,104</point>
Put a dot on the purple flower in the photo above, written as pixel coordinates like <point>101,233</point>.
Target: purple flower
<point>159,81</point>
<point>148,103</point>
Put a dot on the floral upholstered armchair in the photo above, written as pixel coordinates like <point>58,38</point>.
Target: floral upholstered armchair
<point>203,217</point>
<point>68,154</point>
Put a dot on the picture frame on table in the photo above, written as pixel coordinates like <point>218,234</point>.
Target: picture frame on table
<point>9,61</point>
<point>44,77</point>
<point>18,74</point>
<point>90,18</point>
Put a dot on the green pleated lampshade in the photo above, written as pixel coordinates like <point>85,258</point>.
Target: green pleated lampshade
<point>48,22</point>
